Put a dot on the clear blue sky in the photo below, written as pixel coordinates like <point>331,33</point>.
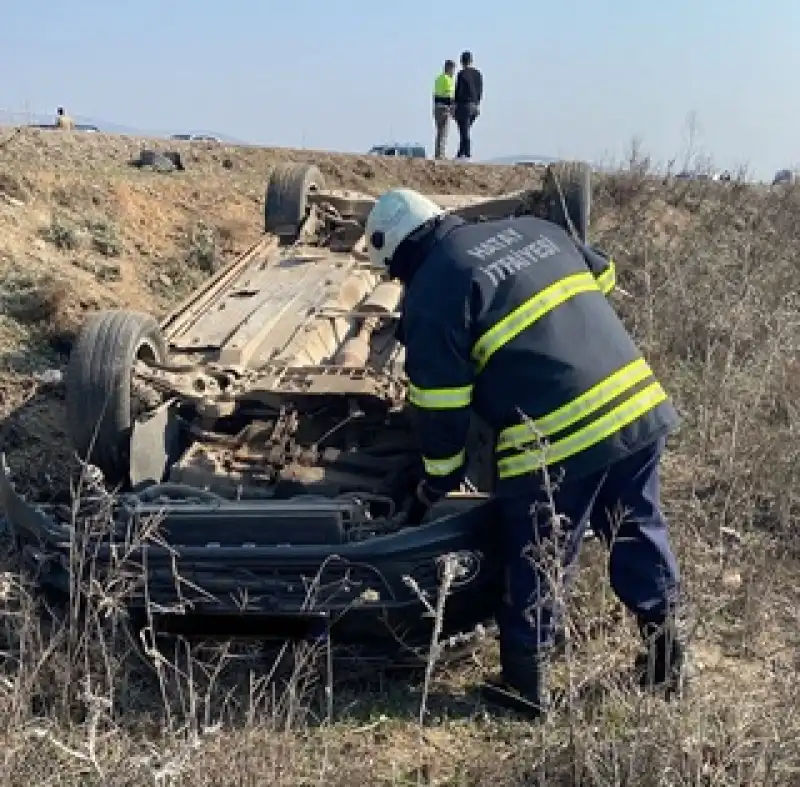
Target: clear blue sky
<point>576,79</point>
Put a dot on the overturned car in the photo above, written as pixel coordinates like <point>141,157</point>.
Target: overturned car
<point>263,426</point>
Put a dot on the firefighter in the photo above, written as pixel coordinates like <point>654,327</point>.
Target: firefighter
<point>509,319</point>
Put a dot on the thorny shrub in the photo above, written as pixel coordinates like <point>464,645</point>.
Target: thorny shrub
<point>712,277</point>
<point>105,237</point>
<point>203,253</point>
<point>14,186</point>
<point>61,233</point>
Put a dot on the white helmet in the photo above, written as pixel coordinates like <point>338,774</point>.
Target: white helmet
<point>394,216</point>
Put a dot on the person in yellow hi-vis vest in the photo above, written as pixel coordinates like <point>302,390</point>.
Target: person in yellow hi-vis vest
<point>444,89</point>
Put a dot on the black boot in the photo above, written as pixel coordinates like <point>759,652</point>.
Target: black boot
<point>661,666</point>
<point>522,686</point>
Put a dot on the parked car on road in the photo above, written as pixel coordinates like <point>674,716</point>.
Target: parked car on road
<point>410,149</point>
<point>196,137</point>
<point>77,127</point>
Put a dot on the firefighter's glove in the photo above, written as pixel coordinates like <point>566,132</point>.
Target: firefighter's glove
<point>424,497</point>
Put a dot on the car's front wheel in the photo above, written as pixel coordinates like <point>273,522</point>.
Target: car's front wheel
<point>98,382</point>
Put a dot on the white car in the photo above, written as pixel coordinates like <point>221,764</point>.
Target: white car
<point>195,137</point>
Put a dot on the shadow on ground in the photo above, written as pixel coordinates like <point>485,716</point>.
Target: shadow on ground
<point>34,440</point>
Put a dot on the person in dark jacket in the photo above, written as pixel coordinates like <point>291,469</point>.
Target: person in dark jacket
<point>509,318</point>
<point>468,97</point>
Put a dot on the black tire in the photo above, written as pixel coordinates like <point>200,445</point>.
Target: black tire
<point>147,158</point>
<point>575,181</point>
<point>160,162</point>
<point>174,157</point>
<point>98,386</point>
<point>286,198</point>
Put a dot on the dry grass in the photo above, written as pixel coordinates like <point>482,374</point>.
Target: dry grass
<point>712,270</point>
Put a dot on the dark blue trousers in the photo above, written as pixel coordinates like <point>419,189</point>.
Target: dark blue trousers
<point>624,506</point>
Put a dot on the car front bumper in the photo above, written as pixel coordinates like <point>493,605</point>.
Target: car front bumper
<point>233,569</point>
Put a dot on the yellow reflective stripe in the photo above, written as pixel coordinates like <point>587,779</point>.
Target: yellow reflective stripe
<point>443,467</point>
<point>608,278</point>
<point>440,398</point>
<point>528,313</point>
<point>583,405</point>
<point>603,427</point>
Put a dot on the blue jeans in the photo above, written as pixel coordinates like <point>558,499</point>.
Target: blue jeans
<point>643,568</point>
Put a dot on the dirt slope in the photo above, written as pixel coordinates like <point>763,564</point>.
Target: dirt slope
<point>102,231</point>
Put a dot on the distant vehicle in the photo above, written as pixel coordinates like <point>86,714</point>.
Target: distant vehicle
<point>77,127</point>
<point>718,176</point>
<point>409,149</point>
<point>196,137</point>
<point>540,161</point>
<point>783,176</point>
<point>686,174</point>
<point>515,161</point>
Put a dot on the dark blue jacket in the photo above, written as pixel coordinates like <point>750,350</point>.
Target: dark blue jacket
<point>509,318</point>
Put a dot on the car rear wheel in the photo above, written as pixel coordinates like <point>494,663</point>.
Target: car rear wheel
<point>98,386</point>
<point>571,180</point>
<point>286,199</point>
